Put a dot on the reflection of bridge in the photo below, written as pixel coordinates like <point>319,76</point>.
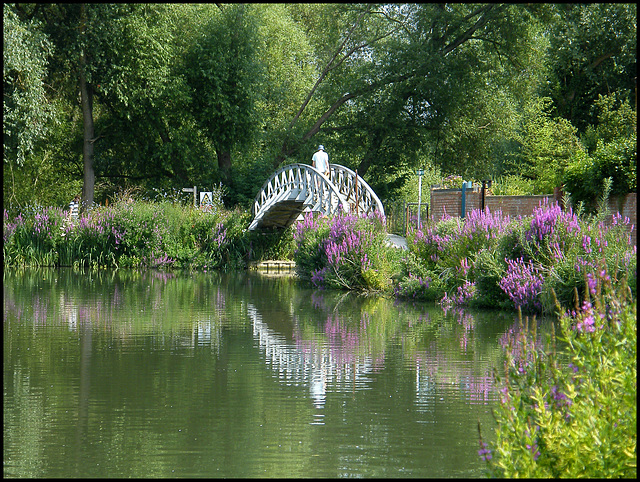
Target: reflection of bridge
<point>313,365</point>
<point>298,188</point>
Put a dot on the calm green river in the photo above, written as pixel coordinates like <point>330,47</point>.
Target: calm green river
<point>152,374</point>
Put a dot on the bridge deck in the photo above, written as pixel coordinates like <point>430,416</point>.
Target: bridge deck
<point>298,188</point>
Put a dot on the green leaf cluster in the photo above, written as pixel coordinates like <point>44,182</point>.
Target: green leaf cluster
<point>568,409</point>
<point>612,153</point>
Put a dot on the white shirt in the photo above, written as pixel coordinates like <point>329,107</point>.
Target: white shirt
<point>321,161</point>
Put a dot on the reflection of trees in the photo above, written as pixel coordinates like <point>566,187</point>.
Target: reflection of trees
<point>62,328</point>
<point>124,303</point>
<point>346,337</point>
<point>327,338</point>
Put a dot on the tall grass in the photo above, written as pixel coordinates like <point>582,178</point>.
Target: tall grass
<point>570,410</point>
<point>138,234</point>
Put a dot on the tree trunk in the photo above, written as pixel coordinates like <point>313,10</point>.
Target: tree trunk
<point>224,166</point>
<point>86,100</point>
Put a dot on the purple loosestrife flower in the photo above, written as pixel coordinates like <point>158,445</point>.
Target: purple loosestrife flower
<point>220,235</point>
<point>464,266</point>
<point>585,319</point>
<point>9,228</point>
<point>484,224</point>
<point>484,452</point>
<point>584,265</point>
<point>592,283</point>
<point>318,277</point>
<point>551,228</point>
<point>464,293</point>
<point>534,450</point>
<point>522,283</point>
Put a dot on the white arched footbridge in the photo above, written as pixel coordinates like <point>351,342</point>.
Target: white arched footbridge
<point>296,189</point>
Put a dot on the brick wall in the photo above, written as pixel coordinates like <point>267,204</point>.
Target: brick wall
<point>627,207</point>
<point>450,201</point>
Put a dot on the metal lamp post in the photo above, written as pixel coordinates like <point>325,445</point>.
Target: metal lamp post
<point>420,173</point>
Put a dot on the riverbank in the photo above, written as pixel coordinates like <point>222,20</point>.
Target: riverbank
<point>579,268</point>
<point>487,260</point>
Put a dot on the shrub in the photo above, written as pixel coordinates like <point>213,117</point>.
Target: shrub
<point>571,413</point>
<point>345,252</point>
<point>490,269</point>
<point>415,282</point>
<point>449,249</point>
<point>512,185</point>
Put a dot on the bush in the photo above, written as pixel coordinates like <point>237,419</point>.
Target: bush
<point>571,413</point>
<point>345,252</point>
<point>416,282</point>
<point>488,260</point>
<point>512,185</point>
<point>490,269</point>
<point>449,249</point>
<point>137,234</point>
<point>612,153</point>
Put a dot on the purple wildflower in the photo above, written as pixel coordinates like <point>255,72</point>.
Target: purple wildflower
<point>522,283</point>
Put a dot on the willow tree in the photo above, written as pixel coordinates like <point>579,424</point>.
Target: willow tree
<point>224,73</point>
<point>25,106</point>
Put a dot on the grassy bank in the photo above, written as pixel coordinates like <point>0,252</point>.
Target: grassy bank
<point>140,234</point>
<point>485,260</point>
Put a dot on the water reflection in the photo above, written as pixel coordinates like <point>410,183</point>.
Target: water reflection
<point>310,363</point>
<point>162,374</point>
<point>334,347</point>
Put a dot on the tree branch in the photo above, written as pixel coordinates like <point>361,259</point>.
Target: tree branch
<point>481,22</point>
<point>326,71</point>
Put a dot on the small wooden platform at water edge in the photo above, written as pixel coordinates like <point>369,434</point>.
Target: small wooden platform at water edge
<point>274,266</point>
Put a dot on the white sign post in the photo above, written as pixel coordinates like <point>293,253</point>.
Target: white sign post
<point>194,190</point>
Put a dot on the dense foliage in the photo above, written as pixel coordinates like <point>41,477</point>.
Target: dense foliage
<point>345,252</point>
<point>145,234</point>
<point>569,408</point>
<point>100,97</point>
<point>485,260</point>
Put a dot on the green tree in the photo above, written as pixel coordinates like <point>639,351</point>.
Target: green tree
<point>146,132</point>
<point>25,106</point>
<point>286,54</point>
<point>399,76</point>
<point>592,52</point>
<point>224,74</point>
<point>547,146</point>
<point>120,61</point>
<point>611,153</point>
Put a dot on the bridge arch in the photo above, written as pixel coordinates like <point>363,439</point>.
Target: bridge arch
<point>295,189</point>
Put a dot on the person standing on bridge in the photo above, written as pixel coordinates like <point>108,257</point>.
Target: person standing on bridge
<point>320,161</point>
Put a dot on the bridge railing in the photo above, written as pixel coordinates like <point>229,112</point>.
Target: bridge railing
<point>358,193</point>
<point>303,185</point>
<point>300,181</point>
